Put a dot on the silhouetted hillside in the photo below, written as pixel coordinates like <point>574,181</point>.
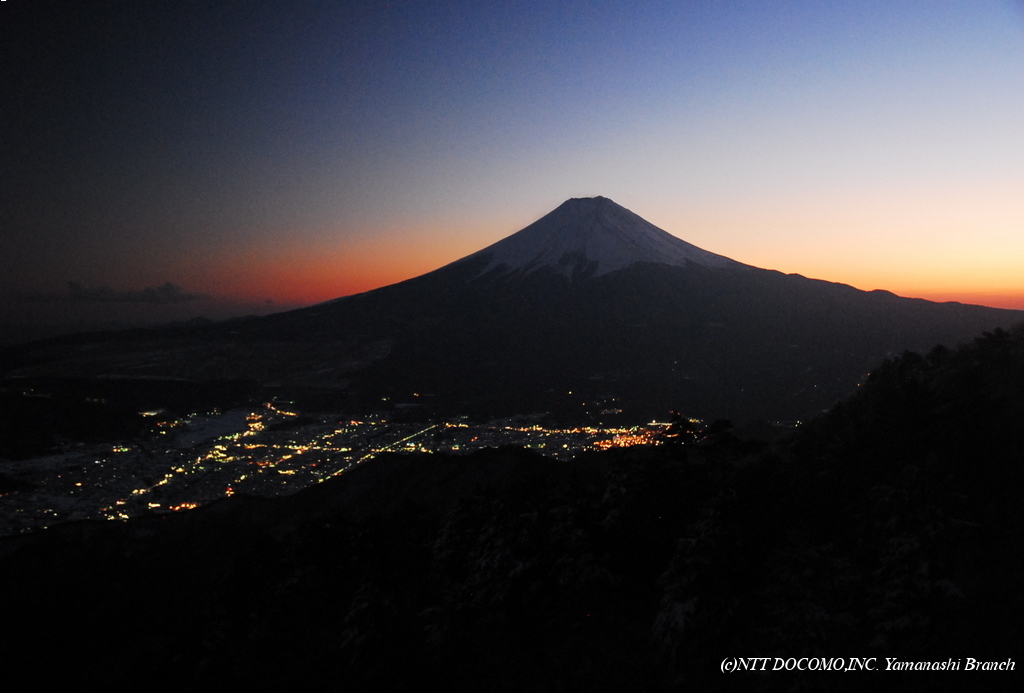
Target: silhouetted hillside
<point>888,528</point>
<point>590,299</point>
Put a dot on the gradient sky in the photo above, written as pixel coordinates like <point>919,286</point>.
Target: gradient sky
<point>168,159</point>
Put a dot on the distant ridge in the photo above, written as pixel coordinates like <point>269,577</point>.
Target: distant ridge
<point>591,236</point>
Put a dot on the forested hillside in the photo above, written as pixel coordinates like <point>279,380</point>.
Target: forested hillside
<point>890,527</point>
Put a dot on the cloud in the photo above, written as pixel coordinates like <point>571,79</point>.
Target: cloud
<point>80,293</point>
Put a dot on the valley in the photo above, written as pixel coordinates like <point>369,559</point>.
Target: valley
<point>184,462</point>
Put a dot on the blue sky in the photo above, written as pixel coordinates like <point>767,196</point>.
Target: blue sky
<point>261,155</point>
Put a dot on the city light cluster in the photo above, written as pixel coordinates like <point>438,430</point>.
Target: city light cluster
<point>190,461</point>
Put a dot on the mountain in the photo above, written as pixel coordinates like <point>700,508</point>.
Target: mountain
<point>588,311</point>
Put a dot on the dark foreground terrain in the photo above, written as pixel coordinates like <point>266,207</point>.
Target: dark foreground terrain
<point>890,528</point>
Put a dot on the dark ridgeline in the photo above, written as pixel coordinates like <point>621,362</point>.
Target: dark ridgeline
<point>889,528</point>
<point>590,299</point>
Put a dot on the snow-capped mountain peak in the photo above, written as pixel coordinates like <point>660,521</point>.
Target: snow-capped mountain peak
<point>591,236</point>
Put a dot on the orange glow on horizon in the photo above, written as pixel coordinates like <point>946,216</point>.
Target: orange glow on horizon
<point>293,276</point>
<point>328,278</point>
<point>877,243</point>
<point>294,284</point>
<point>1013,300</point>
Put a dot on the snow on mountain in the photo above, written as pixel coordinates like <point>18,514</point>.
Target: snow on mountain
<point>591,236</point>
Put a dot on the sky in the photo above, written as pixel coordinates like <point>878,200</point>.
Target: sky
<point>163,160</point>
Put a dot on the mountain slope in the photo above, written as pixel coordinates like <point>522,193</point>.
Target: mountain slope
<point>589,309</point>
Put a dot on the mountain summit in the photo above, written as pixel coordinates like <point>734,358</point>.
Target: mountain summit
<point>589,237</point>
